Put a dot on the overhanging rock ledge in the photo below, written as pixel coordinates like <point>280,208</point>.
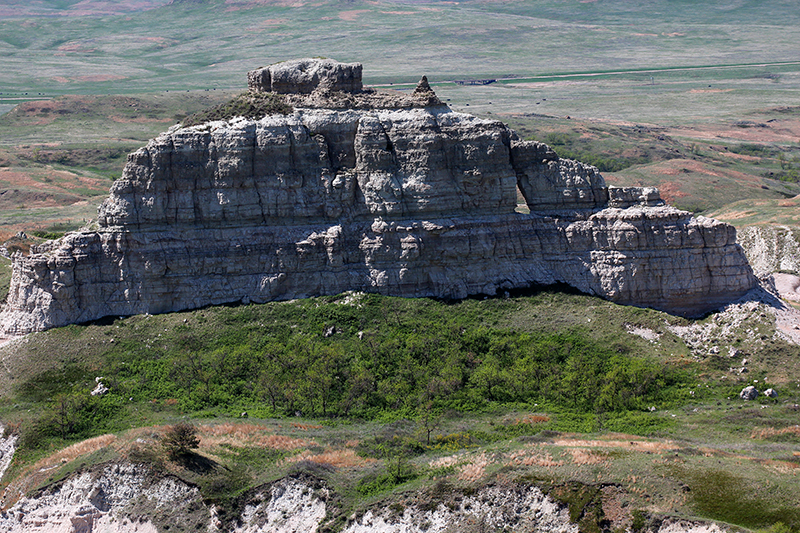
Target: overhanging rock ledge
<point>360,190</point>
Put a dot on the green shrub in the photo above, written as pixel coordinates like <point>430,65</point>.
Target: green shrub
<point>180,440</point>
<point>389,359</point>
<point>398,471</point>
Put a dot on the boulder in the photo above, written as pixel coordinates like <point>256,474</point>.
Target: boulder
<point>748,393</point>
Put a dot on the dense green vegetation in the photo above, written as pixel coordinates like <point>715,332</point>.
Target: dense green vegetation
<point>372,358</point>
<point>5,277</point>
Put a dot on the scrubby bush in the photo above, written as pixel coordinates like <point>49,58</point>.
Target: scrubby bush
<point>249,105</point>
<point>180,440</point>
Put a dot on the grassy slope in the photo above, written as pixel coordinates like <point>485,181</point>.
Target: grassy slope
<point>690,457</point>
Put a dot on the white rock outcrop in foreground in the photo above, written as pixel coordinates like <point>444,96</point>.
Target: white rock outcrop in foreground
<point>131,498</point>
<point>415,201</point>
<point>491,509</point>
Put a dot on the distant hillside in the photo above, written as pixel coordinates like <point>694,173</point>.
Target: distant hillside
<point>56,47</point>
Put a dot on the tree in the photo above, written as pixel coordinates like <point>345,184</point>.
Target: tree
<point>180,439</point>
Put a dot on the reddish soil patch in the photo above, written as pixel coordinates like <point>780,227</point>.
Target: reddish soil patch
<point>740,157</point>
<point>38,194</point>
<point>268,23</point>
<point>769,131</point>
<point>75,47</point>
<point>99,77</point>
<point>735,215</point>
<point>352,15</point>
<point>11,198</point>
<point>677,167</point>
<point>670,191</point>
<point>234,5</point>
<point>791,202</point>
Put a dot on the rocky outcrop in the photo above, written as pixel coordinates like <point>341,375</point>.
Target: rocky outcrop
<point>118,498</point>
<point>493,508</point>
<point>304,76</point>
<point>772,248</point>
<point>416,200</point>
<point>132,498</point>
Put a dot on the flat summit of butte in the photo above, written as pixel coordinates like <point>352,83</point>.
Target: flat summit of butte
<point>334,187</point>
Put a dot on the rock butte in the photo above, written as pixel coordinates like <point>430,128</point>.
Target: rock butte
<point>361,190</point>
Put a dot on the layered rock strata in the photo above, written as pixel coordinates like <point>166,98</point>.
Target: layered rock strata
<point>304,76</point>
<point>406,201</point>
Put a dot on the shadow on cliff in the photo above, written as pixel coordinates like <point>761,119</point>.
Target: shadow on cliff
<point>530,290</point>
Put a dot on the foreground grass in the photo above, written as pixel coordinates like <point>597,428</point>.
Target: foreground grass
<point>442,425</point>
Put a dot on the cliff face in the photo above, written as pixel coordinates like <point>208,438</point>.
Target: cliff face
<point>131,498</point>
<point>396,195</point>
<point>772,248</point>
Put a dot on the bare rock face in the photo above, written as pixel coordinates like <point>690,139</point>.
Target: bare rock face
<point>398,199</point>
<point>133,498</point>
<point>304,76</point>
<point>118,498</point>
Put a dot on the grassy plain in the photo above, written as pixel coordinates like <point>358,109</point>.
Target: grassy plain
<point>700,99</point>
<point>202,45</point>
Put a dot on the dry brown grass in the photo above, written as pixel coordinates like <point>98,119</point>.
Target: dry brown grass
<point>339,458</point>
<point>444,462</point>
<point>74,451</point>
<point>532,457</point>
<point>305,426</point>
<point>587,457</point>
<point>247,435</point>
<point>770,432</point>
<point>635,445</point>
<point>783,467</point>
<point>475,469</point>
<point>38,473</point>
<point>614,508</point>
